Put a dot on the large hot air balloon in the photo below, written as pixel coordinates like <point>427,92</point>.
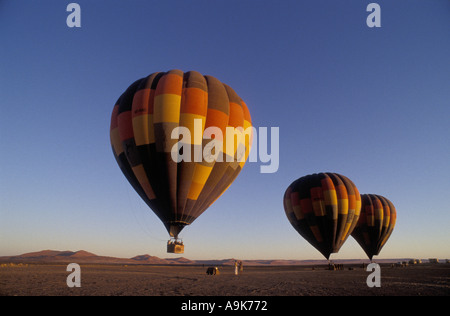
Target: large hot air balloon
<point>324,209</point>
<point>376,223</point>
<point>167,168</point>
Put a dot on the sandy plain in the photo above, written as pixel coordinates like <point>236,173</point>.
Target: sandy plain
<point>149,280</point>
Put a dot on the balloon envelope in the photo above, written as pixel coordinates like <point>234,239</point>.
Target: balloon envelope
<point>160,130</point>
<point>376,223</point>
<point>324,209</point>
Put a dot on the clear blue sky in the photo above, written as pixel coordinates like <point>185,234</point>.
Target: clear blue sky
<point>370,103</point>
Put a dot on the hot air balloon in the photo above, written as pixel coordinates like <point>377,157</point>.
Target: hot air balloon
<point>324,209</point>
<point>147,144</point>
<point>376,223</point>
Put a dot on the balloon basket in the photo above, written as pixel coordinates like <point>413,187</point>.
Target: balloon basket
<point>175,246</point>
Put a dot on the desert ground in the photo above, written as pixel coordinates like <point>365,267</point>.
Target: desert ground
<point>149,280</point>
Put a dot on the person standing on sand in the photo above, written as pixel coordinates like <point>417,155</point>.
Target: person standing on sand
<point>235,267</point>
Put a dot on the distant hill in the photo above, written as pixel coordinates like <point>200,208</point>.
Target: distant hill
<point>52,256</point>
<point>82,256</point>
